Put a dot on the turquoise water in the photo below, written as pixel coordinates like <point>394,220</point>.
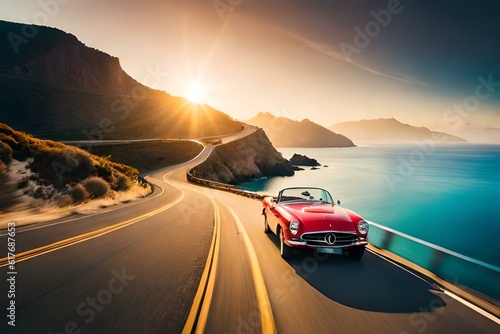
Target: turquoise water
<point>446,194</point>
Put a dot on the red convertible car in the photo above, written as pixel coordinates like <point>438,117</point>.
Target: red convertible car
<point>305,217</point>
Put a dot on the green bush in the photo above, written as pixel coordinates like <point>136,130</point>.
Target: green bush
<point>96,186</point>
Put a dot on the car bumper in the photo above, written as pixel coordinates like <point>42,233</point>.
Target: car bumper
<point>304,244</point>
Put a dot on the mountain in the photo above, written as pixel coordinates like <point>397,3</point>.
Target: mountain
<point>53,86</point>
<point>390,130</point>
<point>284,132</point>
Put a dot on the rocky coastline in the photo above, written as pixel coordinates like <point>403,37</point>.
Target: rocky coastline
<point>243,160</point>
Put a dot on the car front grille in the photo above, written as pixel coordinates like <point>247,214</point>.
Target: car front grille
<point>320,239</point>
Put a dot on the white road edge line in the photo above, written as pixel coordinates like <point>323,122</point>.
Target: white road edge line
<point>446,292</point>
<point>86,216</point>
<point>473,307</point>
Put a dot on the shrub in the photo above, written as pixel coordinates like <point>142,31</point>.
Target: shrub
<point>78,193</point>
<point>122,183</point>
<point>96,186</point>
<point>64,200</point>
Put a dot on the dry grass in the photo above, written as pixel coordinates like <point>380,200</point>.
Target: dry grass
<point>43,179</point>
<point>46,211</point>
<point>39,173</point>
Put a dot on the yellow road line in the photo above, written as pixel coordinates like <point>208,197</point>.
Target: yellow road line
<point>86,236</point>
<point>198,314</point>
<point>265,309</point>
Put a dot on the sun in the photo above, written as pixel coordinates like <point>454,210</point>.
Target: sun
<point>197,92</point>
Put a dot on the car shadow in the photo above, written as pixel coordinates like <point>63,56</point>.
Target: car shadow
<point>371,284</point>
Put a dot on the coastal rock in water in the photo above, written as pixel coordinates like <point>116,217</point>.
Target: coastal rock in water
<point>303,160</point>
<point>242,160</point>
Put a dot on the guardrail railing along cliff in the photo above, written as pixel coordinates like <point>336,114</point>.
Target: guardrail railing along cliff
<point>455,268</point>
<point>462,271</point>
<point>221,186</point>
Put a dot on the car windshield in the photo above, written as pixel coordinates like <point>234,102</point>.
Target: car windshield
<point>296,195</point>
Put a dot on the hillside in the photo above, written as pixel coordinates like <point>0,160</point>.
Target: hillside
<point>284,132</point>
<point>54,86</point>
<point>47,172</point>
<point>242,160</point>
<point>390,130</point>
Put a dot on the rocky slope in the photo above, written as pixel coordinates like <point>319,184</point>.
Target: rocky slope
<point>390,130</point>
<point>40,172</point>
<point>243,160</point>
<point>65,62</point>
<point>53,86</point>
<point>284,132</point>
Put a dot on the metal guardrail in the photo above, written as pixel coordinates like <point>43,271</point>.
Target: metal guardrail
<point>449,265</point>
<point>221,186</point>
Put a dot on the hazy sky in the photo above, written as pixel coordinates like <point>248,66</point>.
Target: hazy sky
<point>429,63</point>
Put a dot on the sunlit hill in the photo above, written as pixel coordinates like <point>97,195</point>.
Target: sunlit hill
<point>59,88</point>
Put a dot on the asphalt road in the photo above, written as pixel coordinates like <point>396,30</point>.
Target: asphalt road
<point>137,268</point>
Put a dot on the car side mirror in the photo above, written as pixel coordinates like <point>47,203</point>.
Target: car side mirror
<point>338,202</point>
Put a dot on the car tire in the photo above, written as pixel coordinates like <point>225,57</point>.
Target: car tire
<point>285,250</point>
<point>356,252</point>
<point>266,225</point>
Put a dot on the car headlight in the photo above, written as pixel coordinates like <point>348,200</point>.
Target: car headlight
<point>363,227</point>
<point>294,227</point>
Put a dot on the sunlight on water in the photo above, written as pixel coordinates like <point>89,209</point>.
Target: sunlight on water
<point>448,195</point>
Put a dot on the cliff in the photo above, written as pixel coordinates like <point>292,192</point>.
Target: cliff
<point>285,132</point>
<point>65,62</point>
<point>243,160</point>
<point>54,86</point>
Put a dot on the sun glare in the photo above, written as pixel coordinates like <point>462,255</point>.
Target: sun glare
<point>197,93</point>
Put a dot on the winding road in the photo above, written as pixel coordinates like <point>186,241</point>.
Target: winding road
<point>194,259</point>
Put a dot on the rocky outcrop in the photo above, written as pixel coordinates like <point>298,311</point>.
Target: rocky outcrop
<point>303,160</point>
<point>242,160</point>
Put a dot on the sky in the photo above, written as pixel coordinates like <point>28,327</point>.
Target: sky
<point>426,63</point>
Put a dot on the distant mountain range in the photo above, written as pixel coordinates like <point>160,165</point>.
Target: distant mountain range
<point>389,130</point>
<point>53,86</point>
<point>284,132</point>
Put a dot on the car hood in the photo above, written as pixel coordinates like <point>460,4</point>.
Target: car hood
<point>322,217</point>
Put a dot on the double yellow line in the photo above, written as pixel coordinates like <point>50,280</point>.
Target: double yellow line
<point>86,236</point>
<point>198,315</point>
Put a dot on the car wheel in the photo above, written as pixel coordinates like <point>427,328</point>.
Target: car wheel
<point>266,225</point>
<point>356,252</point>
<point>285,250</point>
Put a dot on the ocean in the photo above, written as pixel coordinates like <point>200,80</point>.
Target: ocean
<point>445,194</point>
